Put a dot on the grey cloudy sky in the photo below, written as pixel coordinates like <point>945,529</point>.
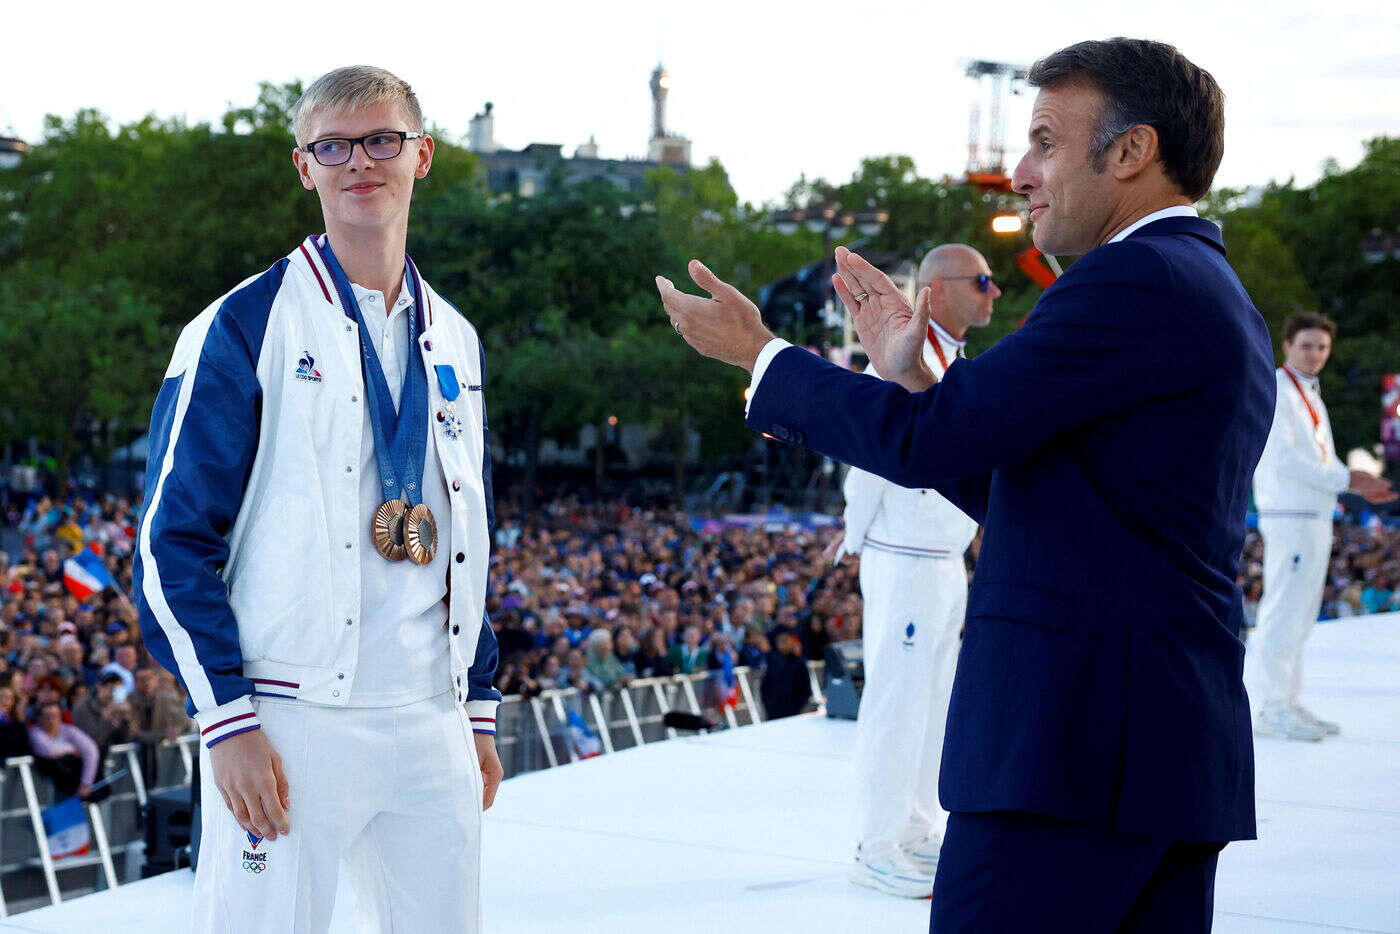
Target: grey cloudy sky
<point>771,89</point>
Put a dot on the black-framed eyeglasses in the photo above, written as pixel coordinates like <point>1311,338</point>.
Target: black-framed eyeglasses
<point>984,281</point>
<point>335,150</point>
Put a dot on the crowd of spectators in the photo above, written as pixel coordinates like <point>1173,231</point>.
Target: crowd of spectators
<point>75,679</point>
<point>592,595</point>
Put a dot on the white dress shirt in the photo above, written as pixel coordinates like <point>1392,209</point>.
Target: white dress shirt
<point>403,655</point>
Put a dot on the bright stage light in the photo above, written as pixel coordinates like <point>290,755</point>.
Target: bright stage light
<point>1006,224</point>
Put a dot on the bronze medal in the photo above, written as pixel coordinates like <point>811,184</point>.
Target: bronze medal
<point>420,534</point>
<point>387,529</point>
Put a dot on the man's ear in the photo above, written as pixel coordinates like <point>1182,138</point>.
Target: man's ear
<point>1136,150</point>
<point>303,169</point>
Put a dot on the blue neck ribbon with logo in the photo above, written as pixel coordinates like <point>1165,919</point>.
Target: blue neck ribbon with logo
<point>400,458</point>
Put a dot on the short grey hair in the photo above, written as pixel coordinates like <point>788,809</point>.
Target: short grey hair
<point>597,637</point>
<point>352,87</point>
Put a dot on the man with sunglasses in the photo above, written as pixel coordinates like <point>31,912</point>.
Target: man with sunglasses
<point>312,560</point>
<point>911,544</point>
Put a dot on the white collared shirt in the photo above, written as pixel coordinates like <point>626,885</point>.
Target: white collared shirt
<point>403,616</point>
<point>1180,210</point>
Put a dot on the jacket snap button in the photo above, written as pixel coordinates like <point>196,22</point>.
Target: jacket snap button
<point>427,345</point>
<point>349,622</point>
<point>441,417</point>
<point>335,693</point>
<point>456,629</point>
<point>341,676</point>
<point>456,484</point>
<point>461,557</point>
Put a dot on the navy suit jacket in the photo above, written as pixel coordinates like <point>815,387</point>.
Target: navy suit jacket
<point>1107,448</point>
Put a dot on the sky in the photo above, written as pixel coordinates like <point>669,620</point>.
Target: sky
<point>772,90</point>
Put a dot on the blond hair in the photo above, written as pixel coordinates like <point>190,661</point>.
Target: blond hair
<point>352,87</point>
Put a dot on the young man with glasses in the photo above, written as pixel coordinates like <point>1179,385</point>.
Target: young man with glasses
<point>911,545</point>
<point>312,561</point>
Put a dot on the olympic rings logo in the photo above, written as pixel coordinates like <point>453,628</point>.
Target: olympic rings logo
<point>254,868</point>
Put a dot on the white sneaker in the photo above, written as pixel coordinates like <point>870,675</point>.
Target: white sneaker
<point>893,875</point>
<point>1327,726</point>
<point>924,854</point>
<point>1283,723</point>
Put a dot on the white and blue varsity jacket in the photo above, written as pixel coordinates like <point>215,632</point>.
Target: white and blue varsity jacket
<point>247,565</point>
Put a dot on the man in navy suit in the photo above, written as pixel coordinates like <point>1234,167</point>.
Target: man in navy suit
<point>1098,752</point>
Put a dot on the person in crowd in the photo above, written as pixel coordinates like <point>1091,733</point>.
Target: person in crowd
<point>786,687</point>
<point>14,731</point>
<point>104,718</point>
<point>604,668</point>
<point>628,651</point>
<point>1295,487</point>
<point>63,752</point>
<point>123,665</point>
<point>654,656</point>
<point>689,655</point>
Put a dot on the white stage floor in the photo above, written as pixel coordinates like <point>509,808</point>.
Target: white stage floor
<point>752,830</point>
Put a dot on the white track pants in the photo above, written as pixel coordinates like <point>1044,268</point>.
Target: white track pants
<point>914,609</point>
<point>1296,555</point>
<point>395,792</point>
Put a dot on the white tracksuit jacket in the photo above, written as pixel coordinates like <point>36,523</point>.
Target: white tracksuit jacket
<point>884,516</point>
<point>248,566</point>
<point>1299,475</point>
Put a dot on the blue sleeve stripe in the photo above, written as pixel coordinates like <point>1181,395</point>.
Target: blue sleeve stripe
<point>200,467</point>
<point>482,675</point>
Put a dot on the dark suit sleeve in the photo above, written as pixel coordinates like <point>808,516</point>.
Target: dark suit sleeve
<point>1102,340</point>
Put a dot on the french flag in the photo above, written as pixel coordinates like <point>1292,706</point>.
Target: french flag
<point>85,575</point>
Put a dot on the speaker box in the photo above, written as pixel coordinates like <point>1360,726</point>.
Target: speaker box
<point>169,818</point>
<point>845,678</point>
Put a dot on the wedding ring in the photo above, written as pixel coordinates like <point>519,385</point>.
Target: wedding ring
<point>862,297</point>
<point>677,326</point>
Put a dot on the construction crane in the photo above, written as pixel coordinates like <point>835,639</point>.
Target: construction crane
<point>986,166</point>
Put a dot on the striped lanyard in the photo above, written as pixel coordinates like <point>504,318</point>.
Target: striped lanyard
<point>1312,413</point>
<point>938,348</point>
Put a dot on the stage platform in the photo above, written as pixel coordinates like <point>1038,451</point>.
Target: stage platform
<point>752,830</point>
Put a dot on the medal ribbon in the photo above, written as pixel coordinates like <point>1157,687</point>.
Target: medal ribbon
<point>1312,412</point>
<point>400,458</point>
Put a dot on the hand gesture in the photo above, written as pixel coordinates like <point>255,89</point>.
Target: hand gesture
<point>248,773</point>
<point>891,331</point>
<point>726,326</point>
<point>1372,489</point>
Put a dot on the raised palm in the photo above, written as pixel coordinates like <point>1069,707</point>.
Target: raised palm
<point>891,330</point>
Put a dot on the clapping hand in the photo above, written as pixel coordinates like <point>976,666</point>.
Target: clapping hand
<point>726,326</point>
<point>892,332</point>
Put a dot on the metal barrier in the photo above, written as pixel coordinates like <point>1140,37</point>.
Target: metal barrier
<point>532,734</point>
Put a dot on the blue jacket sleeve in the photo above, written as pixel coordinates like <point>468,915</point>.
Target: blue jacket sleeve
<point>481,676</point>
<point>203,439</point>
<point>1103,339</point>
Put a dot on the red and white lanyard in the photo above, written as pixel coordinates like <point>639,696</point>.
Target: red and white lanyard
<point>937,348</point>
<point>1312,413</point>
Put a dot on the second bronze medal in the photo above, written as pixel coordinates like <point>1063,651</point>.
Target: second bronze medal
<point>420,534</point>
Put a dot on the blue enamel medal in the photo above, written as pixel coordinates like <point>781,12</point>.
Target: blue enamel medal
<point>447,381</point>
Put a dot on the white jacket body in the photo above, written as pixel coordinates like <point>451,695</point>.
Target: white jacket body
<point>1299,475</point>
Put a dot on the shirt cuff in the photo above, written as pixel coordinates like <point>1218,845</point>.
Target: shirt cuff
<point>765,356</point>
<point>482,714</point>
<point>219,723</point>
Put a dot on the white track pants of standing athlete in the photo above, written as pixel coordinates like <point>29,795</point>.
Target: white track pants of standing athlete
<point>1296,555</point>
<point>914,609</point>
<point>394,792</point>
